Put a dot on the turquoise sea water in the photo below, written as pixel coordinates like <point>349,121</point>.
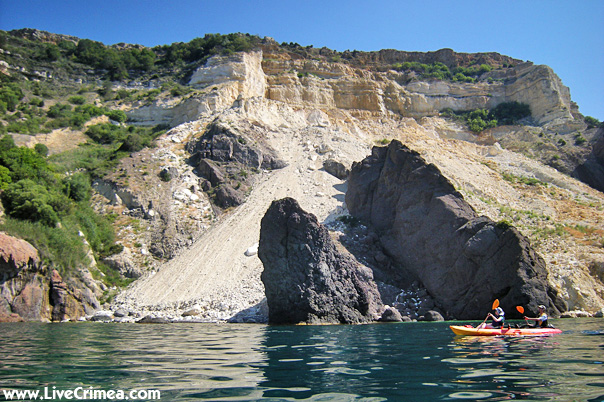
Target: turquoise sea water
<point>380,362</point>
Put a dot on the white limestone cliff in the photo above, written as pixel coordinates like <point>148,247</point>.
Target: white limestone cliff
<point>310,111</point>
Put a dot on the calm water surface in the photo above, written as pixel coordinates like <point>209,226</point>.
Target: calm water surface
<point>381,362</point>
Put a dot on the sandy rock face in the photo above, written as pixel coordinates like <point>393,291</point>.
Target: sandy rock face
<point>17,253</point>
<point>542,90</point>
<point>243,68</point>
<point>228,80</point>
<point>538,86</point>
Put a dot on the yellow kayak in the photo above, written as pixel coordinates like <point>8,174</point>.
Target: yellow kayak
<point>469,330</point>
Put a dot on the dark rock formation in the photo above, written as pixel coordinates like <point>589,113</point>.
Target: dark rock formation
<point>465,261</point>
<point>226,157</point>
<point>153,320</point>
<point>432,315</point>
<point>391,314</point>
<point>223,143</point>
<point>591,171</point>
<point>67,304</point>
<point>307,280</point>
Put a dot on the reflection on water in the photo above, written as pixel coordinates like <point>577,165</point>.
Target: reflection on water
<point>535,368</point>
<point>411,361</point>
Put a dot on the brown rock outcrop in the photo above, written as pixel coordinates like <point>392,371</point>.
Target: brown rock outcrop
<point>23,288</point>
<point>66,305</point>
<point>28,294</point>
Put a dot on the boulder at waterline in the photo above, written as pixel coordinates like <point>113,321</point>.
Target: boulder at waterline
<point>306,278</point>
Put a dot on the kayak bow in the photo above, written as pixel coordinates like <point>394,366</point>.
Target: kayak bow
<point>471,331</point>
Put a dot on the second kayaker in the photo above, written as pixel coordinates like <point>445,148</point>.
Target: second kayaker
<point>541,320</point>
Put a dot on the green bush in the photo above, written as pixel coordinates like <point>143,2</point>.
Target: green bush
<point>200,48</point>
<point>165,175</point>
<point>97,229</point>
<point>481,119</point>
<point>5,178</point>
<point>442,72</point>
<point>37,102</point>
<point>30,201</point>
<point>592,122</point>
<point>133,143</point>
<point>76,100</point>
<point>41,149</point>
<point>579,139</point>
<point>77,187</point>
<point>59,110</point>
<point>10,96</point>
<point>117,115</point>
<point>511,112</point>
<point>60,247</point>
<point>105,133</point>
<point>25,163</point>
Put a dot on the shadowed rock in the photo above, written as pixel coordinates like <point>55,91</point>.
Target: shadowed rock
<point>591,171</point>
<point>307,280</point>
<point>335,168</point>
<point>464,260</point>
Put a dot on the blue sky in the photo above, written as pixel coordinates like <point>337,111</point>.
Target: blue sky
<point>566,35</point>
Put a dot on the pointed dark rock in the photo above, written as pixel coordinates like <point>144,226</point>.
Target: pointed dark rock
<point>465,261</point>
<point>306,278</point>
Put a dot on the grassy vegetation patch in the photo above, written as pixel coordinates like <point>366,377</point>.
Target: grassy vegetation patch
<point>480,119</point>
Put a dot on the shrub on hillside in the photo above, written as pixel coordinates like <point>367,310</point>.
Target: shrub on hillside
<point>41,149</point>
<point>25,163</point>
<point>592,122</point>
<point>481,119</point>
<point>77,187</point>
<point>104,133</point>
<point>30,201</point>
<point>76,100</point>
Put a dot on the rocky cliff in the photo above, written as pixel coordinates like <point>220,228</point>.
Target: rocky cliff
<point>310,108</point>
<point>433,235</point>
<point>29,293</point>
<point>330,85</point>
<point>313,111</point>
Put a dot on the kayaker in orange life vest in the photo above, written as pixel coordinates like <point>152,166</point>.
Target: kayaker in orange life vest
<point>497,320</point>
<point>541,320</point>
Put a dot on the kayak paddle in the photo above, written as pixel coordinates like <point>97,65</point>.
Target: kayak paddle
<point>521,311</point>
<point>494,306</point>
